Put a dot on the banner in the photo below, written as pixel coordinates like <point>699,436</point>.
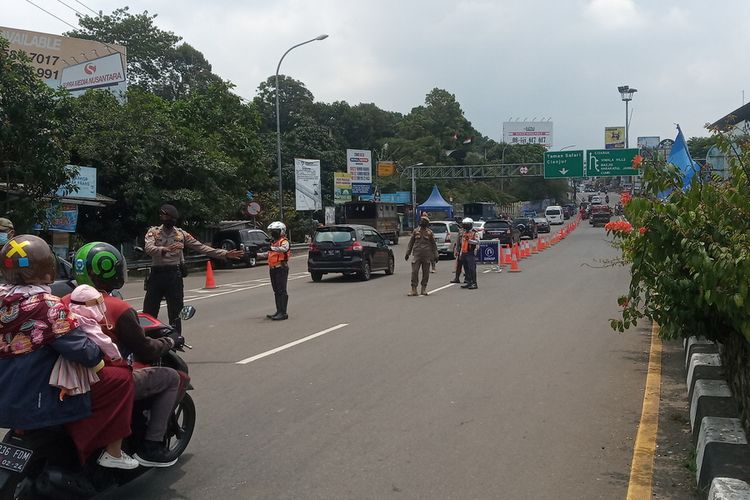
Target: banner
<point>342,187</point>
<point>614,137</point>
<point>307,192</point>
<point>330,216</point>
<point>386,168</point>
<point>62,217</point>
<point>84,181</point>
<point>528,133</point>
<point>650,142</point>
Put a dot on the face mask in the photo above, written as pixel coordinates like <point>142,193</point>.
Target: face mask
<point>168,223</point>
<point>3,238</point>
<point>275,234</point>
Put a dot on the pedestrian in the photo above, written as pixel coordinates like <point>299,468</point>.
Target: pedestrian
<point>165,245</point>
<point>469,242</point>
<point>424,248</point>
<point>457,252</point>
<point>7,231</point>
<point>278,267</point>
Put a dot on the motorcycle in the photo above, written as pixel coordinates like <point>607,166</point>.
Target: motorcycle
<point>43,464</point>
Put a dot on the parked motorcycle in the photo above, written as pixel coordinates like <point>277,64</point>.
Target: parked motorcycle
<point>43,464</point>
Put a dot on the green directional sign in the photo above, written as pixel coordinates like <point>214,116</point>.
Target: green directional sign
<point>610,162</point>
<point>561,164</point>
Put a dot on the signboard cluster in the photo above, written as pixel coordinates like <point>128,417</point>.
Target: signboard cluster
<point>599,163</point>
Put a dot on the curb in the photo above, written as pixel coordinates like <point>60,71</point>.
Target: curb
<point>721,446</point>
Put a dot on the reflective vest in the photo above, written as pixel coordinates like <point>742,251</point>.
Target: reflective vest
<point>276,258</point>
<point>465,245</point>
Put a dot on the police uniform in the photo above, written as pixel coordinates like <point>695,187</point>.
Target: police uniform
<point>469,242</point>
<point>165,278</point>
<point>423,247</point>
<point>278,268</point>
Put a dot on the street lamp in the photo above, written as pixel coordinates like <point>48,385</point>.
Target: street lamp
<point>414,192</point>
<point>566,147</point>
<point>278,123</point>
<point>626,93</point>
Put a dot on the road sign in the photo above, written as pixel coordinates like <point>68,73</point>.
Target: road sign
<point>611,162</point>
<point>524,170</point>
<point>252,209</point>
<point>562,164</point>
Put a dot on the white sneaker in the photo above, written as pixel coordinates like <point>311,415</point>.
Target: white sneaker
<point>125,461</point>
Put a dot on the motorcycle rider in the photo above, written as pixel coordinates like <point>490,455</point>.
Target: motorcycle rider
<point>469,242</point>
<point>278,267</point>
<point>102,266</point>
<point>37,328</point>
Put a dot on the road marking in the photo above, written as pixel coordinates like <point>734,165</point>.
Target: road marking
<point>644,448</point>
<point>291,344</point>
<point>441,288</point>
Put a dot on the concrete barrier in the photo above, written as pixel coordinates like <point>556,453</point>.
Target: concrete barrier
<point>725,488</point>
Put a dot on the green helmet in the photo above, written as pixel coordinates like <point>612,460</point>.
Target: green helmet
<point>100,265</point>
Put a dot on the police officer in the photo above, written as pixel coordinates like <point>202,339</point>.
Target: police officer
<point>165,245</point>
<point>278,267</point>
<point>469,242</point>
<point>424,248</point>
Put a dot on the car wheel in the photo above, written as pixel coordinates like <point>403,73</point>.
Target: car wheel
<point>366,271</point>
<point>251,261</point>
<point>391,266</point>
<point>316,276</point>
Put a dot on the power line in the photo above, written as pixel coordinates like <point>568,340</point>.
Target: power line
<point>71,8</point>
<point>92,10</point>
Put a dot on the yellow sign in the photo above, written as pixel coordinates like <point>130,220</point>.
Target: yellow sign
<point>386,168</point>
<point>614,138</point>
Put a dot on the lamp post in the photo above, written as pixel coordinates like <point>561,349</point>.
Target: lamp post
<point>626,93</point>
<point>414,192</point>
<point>278,123</point>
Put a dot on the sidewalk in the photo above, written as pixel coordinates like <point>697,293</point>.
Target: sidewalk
<point>674,463</point>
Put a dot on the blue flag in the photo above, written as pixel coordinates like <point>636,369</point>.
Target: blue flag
<point>679,156</point>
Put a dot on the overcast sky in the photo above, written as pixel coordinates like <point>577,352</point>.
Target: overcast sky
<point>562,59</point>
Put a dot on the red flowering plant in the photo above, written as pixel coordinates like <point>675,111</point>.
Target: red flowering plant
<point>690,255</point>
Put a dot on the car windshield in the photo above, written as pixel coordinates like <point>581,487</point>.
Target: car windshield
<point>540,221</point>
<point>521,221</point>
<point>439,228</point>
<point>497,224</point>
<point>334,235</point>
<point>553,212</point>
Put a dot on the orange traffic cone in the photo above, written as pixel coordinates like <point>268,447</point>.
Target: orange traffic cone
<point>210,282</point>
<point>506,255</point>
<point>535,248</point>
<point>514,266</point>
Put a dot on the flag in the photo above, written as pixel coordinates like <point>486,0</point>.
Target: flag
<point>679,156</point>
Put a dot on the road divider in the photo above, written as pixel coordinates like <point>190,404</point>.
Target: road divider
<point>291,344</point>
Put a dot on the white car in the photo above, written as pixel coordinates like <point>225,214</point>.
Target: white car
<point>554,214</point>
<point>446,236</point>
<point>479,228</point>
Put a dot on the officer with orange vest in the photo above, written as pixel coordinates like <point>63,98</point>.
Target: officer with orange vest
<point>469,242</point>
<point>278,265</point>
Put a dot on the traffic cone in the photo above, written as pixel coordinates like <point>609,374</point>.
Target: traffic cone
<point>535,248</point>
<point>514,266</point>
<point>210,282</point>
<point>506,255</point>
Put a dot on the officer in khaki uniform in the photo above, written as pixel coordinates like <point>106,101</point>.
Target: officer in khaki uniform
<point>165,245</point>
<point>424,248</point>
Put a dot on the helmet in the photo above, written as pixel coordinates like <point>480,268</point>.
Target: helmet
<point>100,265</point>
<point>468,220</point>
<point>277,225</point>
<point>28,260</point>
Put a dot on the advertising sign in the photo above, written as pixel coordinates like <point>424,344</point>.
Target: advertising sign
<point>559,164</point>
<point>102,72</point>
<point>614,137</point>
<point>330,214</point>
<point>359,165</point>
<point>650,142</point>
<point>361,189</point>
<point>307,192</point>
<point>528,133</point>
<point>606,162</point>
<point>400,197</point>
<point>62,217</point>
<point>51,54</point>
<point>386,168</point>
<point>342,187</point>
<point>85,181</point>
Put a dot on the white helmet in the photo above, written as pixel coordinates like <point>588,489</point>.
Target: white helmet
<point>467,220</point>
<point>277,225</point>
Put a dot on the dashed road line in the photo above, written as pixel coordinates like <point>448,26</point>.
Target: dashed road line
<point>291,344</point>
<point>441,288</point>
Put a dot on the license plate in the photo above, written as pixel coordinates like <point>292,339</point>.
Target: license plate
<point>14,458</point>
<point>329,253</point>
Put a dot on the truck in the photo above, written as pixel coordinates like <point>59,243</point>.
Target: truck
<point>600,215</point>
<point>481,210</point>
<point>383,216</point>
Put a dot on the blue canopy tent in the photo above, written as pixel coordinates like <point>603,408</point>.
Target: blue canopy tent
<point>438,208</point>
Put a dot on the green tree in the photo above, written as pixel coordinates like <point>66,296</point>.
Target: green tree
<point>33,132</point>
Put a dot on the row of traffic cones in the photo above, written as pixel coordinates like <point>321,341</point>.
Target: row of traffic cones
<point>511,255</point>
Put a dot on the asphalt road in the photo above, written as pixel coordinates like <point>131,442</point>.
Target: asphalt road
<point>516,390</point>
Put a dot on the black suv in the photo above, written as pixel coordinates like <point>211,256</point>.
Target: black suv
<point>349,249</point>
<point>251,241</point>
<point>526,227</point>
<point>502,230</point>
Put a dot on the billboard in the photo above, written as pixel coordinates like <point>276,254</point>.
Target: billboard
<point>528,133</point>
<point>359,165</point>
<point>614,137</point>
<point>386,168</point>
<point>101,72</point>
<point>650,142</point>
<point>307,193</point>
<point>342,187</point>
<point>51,55</point>
<point>85,182</point>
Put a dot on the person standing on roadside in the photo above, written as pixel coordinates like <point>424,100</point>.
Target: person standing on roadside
<point>278,267</point>
<point>457,252</point>
<point>165,245</point>
<point>6,230</point>
<point>424,248</point>
<point>469,242</point>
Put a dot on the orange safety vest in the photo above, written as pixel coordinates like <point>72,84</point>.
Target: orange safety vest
<point>468,235</point>
<point>277,258</point>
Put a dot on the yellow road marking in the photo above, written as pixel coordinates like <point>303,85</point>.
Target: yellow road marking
<point>642,467</point>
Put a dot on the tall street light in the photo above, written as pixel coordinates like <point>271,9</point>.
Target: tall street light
<point>626,93</point>
<point>278,123</point>
<point>414,192</point>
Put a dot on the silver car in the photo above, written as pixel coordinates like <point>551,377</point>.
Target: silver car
<point>446,236</point>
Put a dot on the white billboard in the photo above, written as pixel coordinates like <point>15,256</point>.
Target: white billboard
<point>101,72</point>
<point>359,164</point>
<point>528,133</point>
<point>307,194</point>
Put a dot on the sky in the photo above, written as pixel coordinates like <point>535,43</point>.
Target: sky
<point>502,59</point>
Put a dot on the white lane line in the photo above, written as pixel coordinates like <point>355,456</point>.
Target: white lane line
<point>441,288</point>
<point>291,344</point>
<point>214,293</point>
